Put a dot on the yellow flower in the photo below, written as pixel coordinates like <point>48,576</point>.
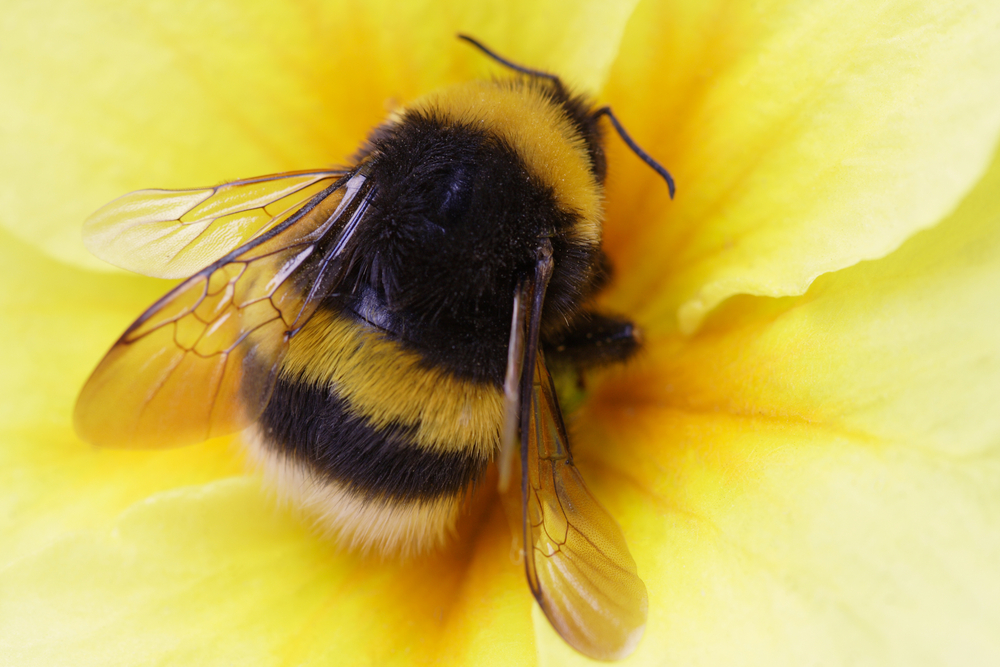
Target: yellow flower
<point>805,461</point>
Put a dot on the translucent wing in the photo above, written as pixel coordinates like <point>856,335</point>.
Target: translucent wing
<point>202,361</point>
<point>173,233</point>
<point>579,567</point>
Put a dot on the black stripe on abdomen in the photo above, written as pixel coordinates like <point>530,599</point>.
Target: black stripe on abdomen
<point>313,425</point>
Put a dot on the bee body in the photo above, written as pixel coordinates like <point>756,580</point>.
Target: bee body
<point>379,332</point>
<point>390,398</point>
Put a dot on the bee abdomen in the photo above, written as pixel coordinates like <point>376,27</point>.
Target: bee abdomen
<point>378,446</point>
<point>315,426</point>
<point>373,487</point>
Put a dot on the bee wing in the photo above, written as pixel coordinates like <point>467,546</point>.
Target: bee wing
<point>202,361</point>
<point>173,233</point>
<point>577,562</point>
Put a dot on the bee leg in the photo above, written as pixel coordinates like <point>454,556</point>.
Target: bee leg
<point>594,339</point>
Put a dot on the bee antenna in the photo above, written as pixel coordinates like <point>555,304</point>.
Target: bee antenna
<point>643,155</point>
<point>603,111</point>
<point>508,64</point>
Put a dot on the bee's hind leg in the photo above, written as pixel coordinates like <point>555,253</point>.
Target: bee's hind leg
<point>594,340</point>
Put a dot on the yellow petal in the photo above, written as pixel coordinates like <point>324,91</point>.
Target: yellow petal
<point>102,98</point>
<point>57,323</point>
<point>214,576</point>
<point>804,136</point>
<point>820,475</point>
<point>771,543</point>
<point>903,349</point>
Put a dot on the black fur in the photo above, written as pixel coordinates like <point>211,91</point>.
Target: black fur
<point>454,225</point>
<point>594,339</point>
<point>314,426</point>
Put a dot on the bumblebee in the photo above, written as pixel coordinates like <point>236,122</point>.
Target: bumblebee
<point>380,333</point>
